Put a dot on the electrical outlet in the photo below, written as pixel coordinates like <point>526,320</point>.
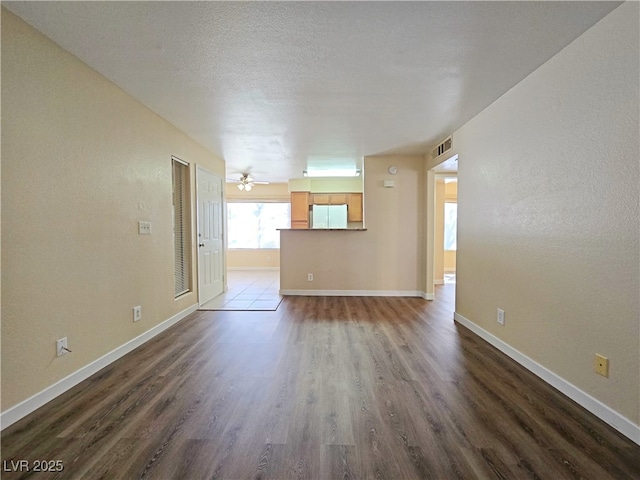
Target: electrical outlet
<point>144,228</point>
<point>137,313</point>
<point>500,317</point>
<point>601,365</point>
<point>61,347</point>
<point>309,277</point>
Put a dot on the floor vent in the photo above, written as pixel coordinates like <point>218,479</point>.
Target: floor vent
<point>443,148</point>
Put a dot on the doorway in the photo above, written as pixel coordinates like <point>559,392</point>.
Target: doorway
<point>253,244</point>
<point>448,246</point>
<point>441,245</point>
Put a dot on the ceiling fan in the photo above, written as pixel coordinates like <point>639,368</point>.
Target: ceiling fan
<point>246,182</point>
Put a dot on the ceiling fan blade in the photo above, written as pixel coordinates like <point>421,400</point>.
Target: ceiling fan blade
<point>245,179</point>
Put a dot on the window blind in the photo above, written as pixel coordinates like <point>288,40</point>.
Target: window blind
<point>181,241</point>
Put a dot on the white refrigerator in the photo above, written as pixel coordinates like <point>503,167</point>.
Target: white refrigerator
<point>329,216</point>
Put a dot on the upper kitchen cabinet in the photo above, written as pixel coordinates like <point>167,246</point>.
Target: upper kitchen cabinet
<point>299,209</point>
<point>329,199</point>
<point>354,207</point>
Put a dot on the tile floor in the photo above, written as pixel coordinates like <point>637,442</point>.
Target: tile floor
<point>248,290</point>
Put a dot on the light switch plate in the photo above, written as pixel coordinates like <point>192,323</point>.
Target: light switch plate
<point>61,347</point>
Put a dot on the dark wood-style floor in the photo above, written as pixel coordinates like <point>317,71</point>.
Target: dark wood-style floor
<point>330,388</point>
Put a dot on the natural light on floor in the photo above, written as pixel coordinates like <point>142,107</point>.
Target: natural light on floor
<point>248,290</point>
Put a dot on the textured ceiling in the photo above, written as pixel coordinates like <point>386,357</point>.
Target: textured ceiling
<point>275,87</point>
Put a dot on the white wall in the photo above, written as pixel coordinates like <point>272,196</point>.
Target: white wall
<point>548,214</point>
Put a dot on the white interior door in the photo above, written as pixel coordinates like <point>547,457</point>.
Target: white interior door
<point>210,246</point>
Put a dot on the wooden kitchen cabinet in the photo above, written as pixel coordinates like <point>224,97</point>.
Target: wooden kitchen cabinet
<point>354,207</point>
<point>320,199</point>
<point>337,199</point>
<point>329,199</point>
<point>299,209</point>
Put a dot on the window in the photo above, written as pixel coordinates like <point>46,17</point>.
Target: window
<point>450,225</point>
<point>181,241</point>
<point>254,225</point>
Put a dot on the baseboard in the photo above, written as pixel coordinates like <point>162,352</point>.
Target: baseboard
<point>593,405</point>
<point>428,296</point>
<point>355,293</point>
<point>439,281</point>
<point>251,269</point>
<point>24,408</point>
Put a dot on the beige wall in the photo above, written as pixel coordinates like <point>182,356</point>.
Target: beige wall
<point>548,213</point>
<point>82,163</point>
<point>326,185</point>
<point>389,256</point>
<point>253,258</point>
<point>270,193</point>
<point>449,261</point>
<point>451,191</point>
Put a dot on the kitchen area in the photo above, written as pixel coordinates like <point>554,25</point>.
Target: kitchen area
<point>381,250</point>
<point>332,211</point>
<point>327,203</point>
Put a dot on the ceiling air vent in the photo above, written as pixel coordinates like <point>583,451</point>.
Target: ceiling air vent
<point>443,148</point>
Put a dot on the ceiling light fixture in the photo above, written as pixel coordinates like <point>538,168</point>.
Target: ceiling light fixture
<point>246,183</point>
<point>244,186</point>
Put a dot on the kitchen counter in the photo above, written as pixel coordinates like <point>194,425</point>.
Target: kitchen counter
<point>323,229</point>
